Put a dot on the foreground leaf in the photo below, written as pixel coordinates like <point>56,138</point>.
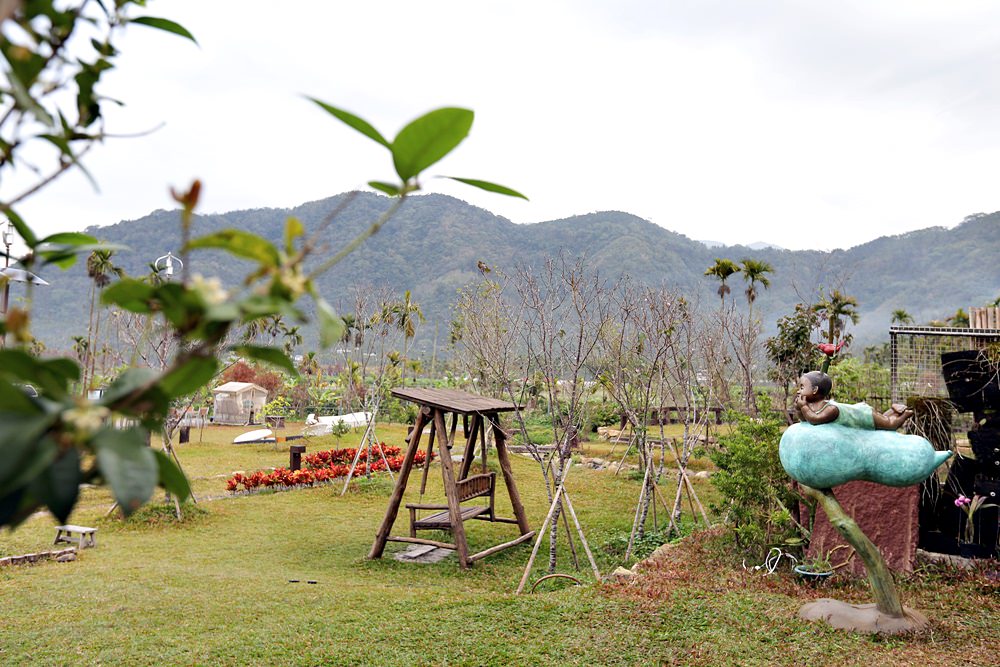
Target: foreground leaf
<point>241,244</point>
<point>171,477</point>
<point>359,124</point>
<point>268,355</point>
<point>331,327</point>
<point>58,486</point>
<point>428,139</point>
<point>164,24</point>
<point>128,465</point>
<point>490,187</point>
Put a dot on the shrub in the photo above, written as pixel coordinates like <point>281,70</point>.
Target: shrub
<point>755,488</point>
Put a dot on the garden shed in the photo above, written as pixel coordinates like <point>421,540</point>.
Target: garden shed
<point>238,403</point>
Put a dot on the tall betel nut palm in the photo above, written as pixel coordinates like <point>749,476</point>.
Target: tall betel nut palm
<point>722,269</point>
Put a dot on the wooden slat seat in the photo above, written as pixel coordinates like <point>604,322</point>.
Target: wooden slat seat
<point>442,520</point>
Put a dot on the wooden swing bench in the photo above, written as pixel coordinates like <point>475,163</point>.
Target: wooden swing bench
<point>459,486</point>
<point>476,486</point>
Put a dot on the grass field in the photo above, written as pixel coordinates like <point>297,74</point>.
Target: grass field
<point>215,588</point>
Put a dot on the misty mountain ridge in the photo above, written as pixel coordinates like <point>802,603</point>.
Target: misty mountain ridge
<point>434,243</point>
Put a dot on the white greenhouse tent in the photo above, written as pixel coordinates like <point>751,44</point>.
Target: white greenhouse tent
<point>238,403</point>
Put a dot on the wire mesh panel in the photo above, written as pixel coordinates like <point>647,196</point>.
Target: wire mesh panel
<point>917,368</point>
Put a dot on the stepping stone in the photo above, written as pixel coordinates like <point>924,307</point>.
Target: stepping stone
<point>422,553</point>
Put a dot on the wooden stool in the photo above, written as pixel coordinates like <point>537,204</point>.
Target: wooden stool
<point>86,538</point>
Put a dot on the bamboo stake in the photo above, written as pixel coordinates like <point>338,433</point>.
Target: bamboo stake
<point>541,534</point>
<point>583,539</point>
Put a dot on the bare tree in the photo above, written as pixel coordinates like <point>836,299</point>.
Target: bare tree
<point>566,308</point>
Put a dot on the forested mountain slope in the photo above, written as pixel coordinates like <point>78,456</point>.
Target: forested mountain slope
<point>432,247</point>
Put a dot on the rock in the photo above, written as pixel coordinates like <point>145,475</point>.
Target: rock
<point>702,474</point>
<point>863,618</point>
<point>620,575</point>
<point>67,558</point>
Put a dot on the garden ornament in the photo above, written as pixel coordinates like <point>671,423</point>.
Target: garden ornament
<point>837,443</point>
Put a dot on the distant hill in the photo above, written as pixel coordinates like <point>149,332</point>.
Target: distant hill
<point>433,245</point>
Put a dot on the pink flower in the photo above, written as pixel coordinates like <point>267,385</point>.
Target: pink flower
<point>962,500</point>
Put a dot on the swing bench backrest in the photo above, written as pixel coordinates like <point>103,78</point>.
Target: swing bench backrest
<point>471,487</point>
<point>476,486</point>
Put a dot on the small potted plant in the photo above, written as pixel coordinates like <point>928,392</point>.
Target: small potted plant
<point>819,567</point>
<point>967,545</point>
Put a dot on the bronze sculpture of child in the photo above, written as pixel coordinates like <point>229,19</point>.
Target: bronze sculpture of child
<point>814,406</point>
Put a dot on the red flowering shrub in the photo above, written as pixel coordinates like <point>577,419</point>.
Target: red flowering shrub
<point>323,467</point>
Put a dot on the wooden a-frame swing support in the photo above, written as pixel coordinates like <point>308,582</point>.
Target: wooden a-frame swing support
<point>435,404</point>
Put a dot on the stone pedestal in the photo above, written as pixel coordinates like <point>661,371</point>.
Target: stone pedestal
<point>887,515</point>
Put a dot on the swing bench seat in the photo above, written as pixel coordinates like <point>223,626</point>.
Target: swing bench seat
<point>477,486</point>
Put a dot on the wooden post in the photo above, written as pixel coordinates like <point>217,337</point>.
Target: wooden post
<point>879,576</point>
<point>508,476</point>
<point>295,453</point>
<point>454,511</point>
<point>470,446</point>
<point>382,536</point>
<point>427,460</point>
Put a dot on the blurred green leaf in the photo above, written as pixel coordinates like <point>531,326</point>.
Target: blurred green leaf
<point>164,24</point>
<point>293,230</point>
<point>23,230</point>
<point>389,188</point>
<point>58,486</point>
<point>131,294</point>
<point>39,456</point>
<point>428,139</point>
<point>19,436</point>
<point>193,374</point>
<point>132,380</point>
<point>350,119</point>
<point>128,465</point>
<point>14,399</point>
<point>51,376</point>
<point>490,187</point>
<point>72,238</point>
<point>331,327</point>
<point>241,244</point>
<point>268,355</point>
<point>171,477</point>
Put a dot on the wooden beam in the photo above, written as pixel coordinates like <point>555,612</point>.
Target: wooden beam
<point>501,547</point>
<point>500,442</point>
<point>420,540</point>
<point>470,446</point>
<point>427,461</point>
<point>397,493</point>
<point>454,509</point>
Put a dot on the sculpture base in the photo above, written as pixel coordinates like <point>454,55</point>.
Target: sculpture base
<point>864,618</point>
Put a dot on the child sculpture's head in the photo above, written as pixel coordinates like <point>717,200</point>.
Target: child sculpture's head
<point>815,382</point>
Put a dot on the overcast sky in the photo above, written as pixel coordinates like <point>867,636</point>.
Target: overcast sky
<point>804,124</point>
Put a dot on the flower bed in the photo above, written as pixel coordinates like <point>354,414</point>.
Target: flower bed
<point>321,468</point>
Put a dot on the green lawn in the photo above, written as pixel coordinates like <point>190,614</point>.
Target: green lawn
<point>215,588</point>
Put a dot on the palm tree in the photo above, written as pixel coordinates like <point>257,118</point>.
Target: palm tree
<point>722,269</point>
<point>99,270</point>
<point>292,339</point>
<point>755,271</point>
<point>406,314</point>
<point>835,307</point>
<point>900,316</point>
<point>959,319</point>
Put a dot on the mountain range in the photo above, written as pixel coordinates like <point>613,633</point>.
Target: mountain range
<point>434,243</point>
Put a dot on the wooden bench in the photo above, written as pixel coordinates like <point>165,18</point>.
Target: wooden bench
<point>86,536</point>
<point>477,486</point>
